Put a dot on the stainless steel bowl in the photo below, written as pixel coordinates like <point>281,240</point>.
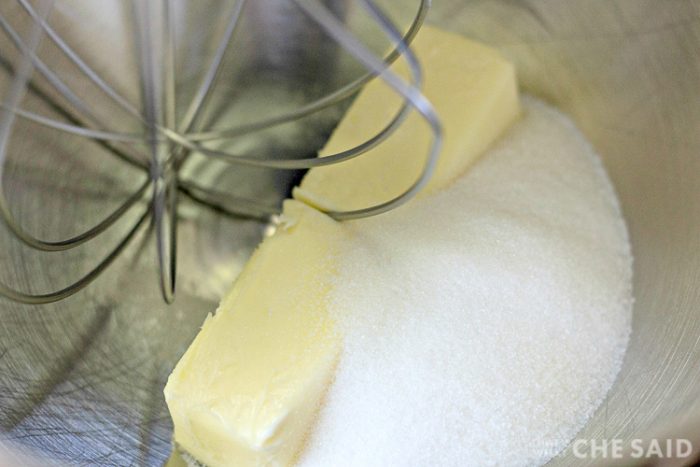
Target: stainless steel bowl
<point>81,380</point>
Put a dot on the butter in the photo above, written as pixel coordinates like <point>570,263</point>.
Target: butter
<point>248,389</point>
<point>475,93</point>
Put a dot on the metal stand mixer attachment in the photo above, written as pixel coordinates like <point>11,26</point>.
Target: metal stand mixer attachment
<point>164,145</point>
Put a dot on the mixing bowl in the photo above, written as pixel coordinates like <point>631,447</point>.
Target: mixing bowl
<point>81,380</point>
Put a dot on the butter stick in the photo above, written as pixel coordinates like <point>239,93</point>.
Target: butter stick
<point>472,88</point>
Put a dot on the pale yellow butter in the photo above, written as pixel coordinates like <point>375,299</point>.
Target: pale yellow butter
<point>247,391</point>
<point>472,88</point>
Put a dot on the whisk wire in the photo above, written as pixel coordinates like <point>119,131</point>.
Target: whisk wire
<point>204,90</point>
<point>84,281</point>
<point>153,94</point>
<point>134,138</point>
<point>169,59</point>
<point>234,206</point>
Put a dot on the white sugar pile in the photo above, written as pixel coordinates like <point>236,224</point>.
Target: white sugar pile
<point>485,324</point>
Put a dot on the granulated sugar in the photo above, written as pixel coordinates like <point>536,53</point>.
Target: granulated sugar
<point>485,324</point>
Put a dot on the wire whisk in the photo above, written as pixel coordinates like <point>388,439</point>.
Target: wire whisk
<point>164,145</point>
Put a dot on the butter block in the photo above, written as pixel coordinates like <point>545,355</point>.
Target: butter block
<point>247,390</point>
<point>474,92</point>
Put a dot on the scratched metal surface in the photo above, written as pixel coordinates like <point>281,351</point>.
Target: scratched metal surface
<point>81,380</point>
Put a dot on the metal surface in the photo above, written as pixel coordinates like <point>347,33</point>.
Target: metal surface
<point>82,379</point>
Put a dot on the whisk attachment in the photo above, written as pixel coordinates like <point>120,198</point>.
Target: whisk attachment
<point>165,145</point>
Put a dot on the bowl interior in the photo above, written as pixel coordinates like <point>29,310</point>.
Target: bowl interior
<point>82,379</point>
